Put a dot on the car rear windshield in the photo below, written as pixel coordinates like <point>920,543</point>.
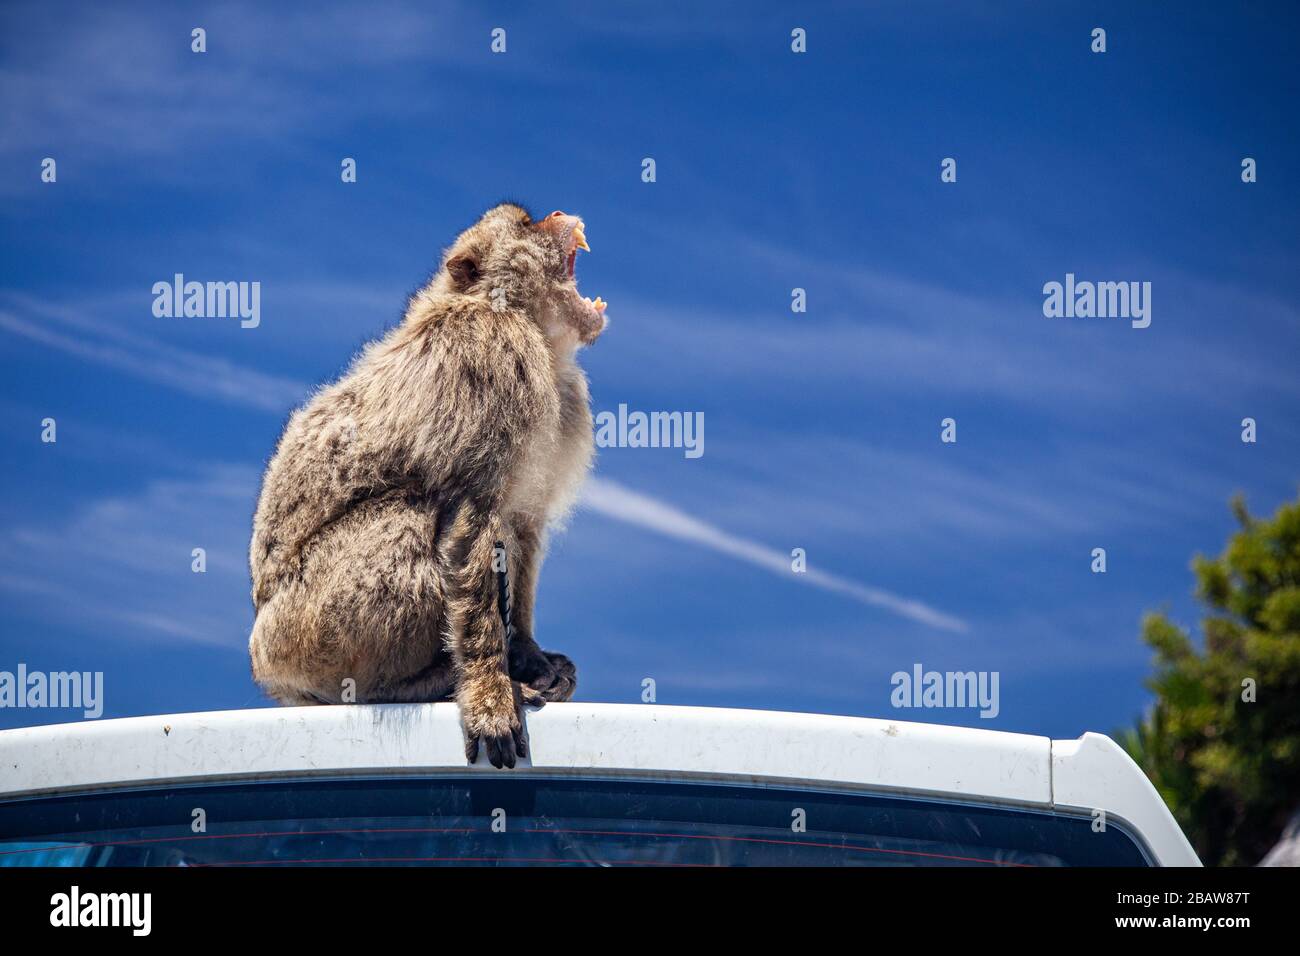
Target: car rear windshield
<point>511,819</point>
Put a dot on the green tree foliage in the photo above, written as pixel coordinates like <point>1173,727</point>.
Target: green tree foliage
<point>1229,768</point>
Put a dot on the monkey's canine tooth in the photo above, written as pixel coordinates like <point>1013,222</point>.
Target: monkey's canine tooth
<point>579,239</point>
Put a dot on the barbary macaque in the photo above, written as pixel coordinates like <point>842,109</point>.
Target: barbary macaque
<point>399,494</point>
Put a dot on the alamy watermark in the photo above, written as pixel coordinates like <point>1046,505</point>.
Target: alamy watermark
<point>624,429</point>
<point>209,300</point>
<point>133,911</point>
<point>1099,300</point>
<point>922,688</point>
<point>80,690</point>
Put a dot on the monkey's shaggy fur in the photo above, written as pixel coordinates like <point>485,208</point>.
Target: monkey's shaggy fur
<point>373,554</point>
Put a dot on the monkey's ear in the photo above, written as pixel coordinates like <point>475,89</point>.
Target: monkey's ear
<point>463,271</point>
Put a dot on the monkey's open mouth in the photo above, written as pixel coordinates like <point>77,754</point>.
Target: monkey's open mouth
<point>578,240</point>
<point>572,231</point>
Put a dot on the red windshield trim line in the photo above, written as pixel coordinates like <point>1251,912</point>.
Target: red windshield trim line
<point>680,836</point>
<point>834,846</point>
<point>236,836</point>
<point>451,859</point>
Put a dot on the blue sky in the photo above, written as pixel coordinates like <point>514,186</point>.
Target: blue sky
<point>774,171</point>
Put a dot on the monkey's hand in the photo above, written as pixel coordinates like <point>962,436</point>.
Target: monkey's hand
<point>491,710</point>
<point>545,675</point>
<point>586,316</point>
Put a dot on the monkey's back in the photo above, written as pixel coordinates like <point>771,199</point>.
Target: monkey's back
<point>349,576</point>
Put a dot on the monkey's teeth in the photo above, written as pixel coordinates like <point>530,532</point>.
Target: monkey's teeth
<point>580,240</point>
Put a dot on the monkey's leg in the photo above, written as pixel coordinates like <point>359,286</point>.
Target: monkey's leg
<point>364,621</point>
<point>545,674</point>
<point>490,703</point>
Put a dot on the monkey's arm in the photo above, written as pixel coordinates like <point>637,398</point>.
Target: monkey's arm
<point>501,379</point>
<point>525,561</point>
<point>489,702</point>
<point>549,676</point>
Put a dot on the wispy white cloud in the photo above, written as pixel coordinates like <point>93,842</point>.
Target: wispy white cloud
<point>99,616</point>
<point>901,335</point>
<point>616,501</point>
<point>113,82</point>
<point>137,548</point>
<point>921,498</point>
<point>121,565</point>
<point>123,80</point>
<point>206,376</point>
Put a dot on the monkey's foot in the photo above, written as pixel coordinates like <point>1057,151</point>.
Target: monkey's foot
<point>545,675</point>
<point>491,711</point>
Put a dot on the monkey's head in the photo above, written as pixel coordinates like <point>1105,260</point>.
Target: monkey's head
<point>515,262</point>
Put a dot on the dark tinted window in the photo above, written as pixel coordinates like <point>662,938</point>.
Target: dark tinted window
<point>445,820</point>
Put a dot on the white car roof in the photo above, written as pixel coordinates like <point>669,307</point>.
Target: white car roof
<point>663,742</point>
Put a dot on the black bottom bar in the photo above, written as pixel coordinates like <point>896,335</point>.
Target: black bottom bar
<point>246,905</point>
